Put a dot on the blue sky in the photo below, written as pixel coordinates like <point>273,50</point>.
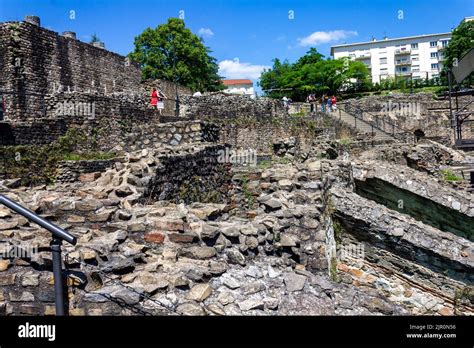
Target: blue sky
<point>245,35</point>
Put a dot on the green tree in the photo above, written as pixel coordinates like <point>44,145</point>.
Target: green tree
<point>313,74</point>
<point>462,40</point>
<point>172,52</point>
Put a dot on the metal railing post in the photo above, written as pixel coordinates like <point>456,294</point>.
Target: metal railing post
<point>58,276</point>
<point>58,235</point>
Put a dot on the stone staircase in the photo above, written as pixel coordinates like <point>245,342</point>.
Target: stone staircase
<point>362,126</point>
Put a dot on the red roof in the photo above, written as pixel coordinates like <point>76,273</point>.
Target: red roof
<point>237,82</point>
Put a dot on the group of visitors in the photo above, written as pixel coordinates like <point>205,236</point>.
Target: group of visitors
<point>158,99</point>
<point>327,104</point>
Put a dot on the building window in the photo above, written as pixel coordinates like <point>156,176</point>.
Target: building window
<point>415,68</point>
<point>415,57</point>
<point>444,43</point>
<point>383,60</point>
<point>433,43</point>
<point>402,69</point>
<point>414,46</point>
<point>434,54</point>
<point>434,66</point>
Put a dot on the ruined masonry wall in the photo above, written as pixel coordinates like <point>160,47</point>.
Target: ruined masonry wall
<point>35,61</point>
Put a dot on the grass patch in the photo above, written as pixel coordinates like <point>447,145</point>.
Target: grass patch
<point>264,164</point>
<point>89,156</point>
<point>345,141</point>
<point>448,175</point>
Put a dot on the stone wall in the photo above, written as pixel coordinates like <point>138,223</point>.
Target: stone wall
<point>70,171</point>
<point>35,62</point>
<point>104,133</point>
<point>420,111</point>
<point>224,106</point>
<point>191,177</point>
<point>32,132</point>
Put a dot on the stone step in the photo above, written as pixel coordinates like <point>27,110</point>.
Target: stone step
<point>362,126</point>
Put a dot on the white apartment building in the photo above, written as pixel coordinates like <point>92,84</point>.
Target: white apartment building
<point>239,86</point>
<point>413,57</point>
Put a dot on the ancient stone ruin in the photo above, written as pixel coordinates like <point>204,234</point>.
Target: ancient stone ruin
<point>231,206</point>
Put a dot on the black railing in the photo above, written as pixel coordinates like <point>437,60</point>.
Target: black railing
<point>58,235</point>
<point>380,123</point>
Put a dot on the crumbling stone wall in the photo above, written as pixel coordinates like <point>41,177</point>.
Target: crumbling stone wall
<point>420,111</point>
<point>32,132</point>
<point>224,106</point>
<point>70,171</point>
<point>192,177</point>
<point>36,62</point>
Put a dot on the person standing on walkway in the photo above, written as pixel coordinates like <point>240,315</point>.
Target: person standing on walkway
<point>323,103</point>
<point>157,100</point>
<point>333,103</point>
<point>154,98</point>
<point>329,103</point>
<point>161,101</point>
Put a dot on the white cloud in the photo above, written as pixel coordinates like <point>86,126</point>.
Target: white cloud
<point>319,37</point>
<point>205,32</point>
<point>234,69</point>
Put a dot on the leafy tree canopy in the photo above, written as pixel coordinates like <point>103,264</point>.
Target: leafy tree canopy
<point>313,74</point>
<point>462,40</point>
<point>172,52</point>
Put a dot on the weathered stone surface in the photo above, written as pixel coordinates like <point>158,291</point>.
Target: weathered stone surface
<point>154,237</point>
<point>182,237</point>
<point>190,308</point>
<point>113,292</point>
<point>198,252</point>
<point>4,265</point>
<point>88,205</point>
<point>7,279</point>
<point>250,304</point>
<point>254,287</point>
<point>230,282</point>
<point>30,279</point>
<point>225,298</point>
<point>235,256</point>
<point>169,225</point>
<point>287,240</point>
<point>254,272</point>
<point>21,296</point>
<point>294,282</point>
<point>199,292</point>
<point>230,231</point>
<point>8,225</point>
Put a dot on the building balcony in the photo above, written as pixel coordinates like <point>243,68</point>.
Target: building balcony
<point>401,51</point>
<point>402,73</point>
<point>363,56</point>
<point>442,48</point>
<point>403,62</point>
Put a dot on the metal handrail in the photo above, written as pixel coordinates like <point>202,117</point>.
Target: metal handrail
<point>379,124</point>
<point>58,236</point>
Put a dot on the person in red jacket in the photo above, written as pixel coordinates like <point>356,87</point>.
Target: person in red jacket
<point>157,100</point>
<point>154,97</point>
<point>333,103</point>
